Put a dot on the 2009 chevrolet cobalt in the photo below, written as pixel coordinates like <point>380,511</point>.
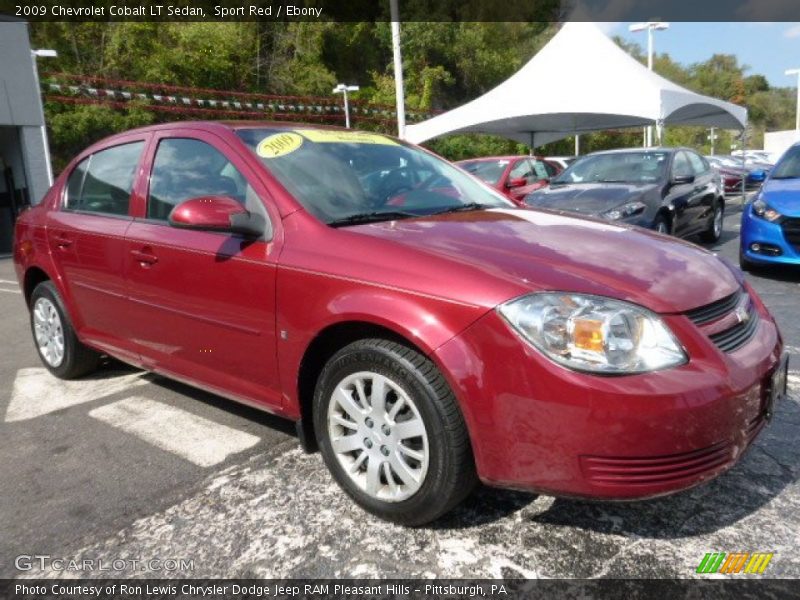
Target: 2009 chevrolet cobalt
<point>420,329</point>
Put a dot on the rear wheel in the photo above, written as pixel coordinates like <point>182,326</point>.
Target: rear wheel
<point>58,346</point>
<point>714,231</point>
<point>391,432</point>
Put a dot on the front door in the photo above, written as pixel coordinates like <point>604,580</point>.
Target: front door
<point>203,303</point>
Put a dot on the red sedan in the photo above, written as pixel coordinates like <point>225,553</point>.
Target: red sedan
<point>514,176</point>
<point>420,345</point>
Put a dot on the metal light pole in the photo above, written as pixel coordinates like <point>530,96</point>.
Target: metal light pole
<point>398,70</point>
<point>650,26</point>
<point>34,55</point>
<point>797,110</point>
<point>712,136</point>
<point>343,89</point>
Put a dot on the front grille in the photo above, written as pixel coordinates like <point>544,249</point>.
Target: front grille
<point>791,231</point>
<point>738,335</point>
<point>715,310</point>
<point>655,470</point>
<point>739,329</point>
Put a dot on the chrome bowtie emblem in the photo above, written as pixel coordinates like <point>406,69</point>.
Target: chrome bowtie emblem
<point>742,315</point>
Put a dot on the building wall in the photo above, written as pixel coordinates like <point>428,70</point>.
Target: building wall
<point>777,142</point>
<point>21,109</point>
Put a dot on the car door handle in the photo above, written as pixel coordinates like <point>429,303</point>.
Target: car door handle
<point>63,242</point>
<point>144,257</point>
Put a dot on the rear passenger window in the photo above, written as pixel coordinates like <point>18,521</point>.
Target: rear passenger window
<point>185,169</point>
<point>102,183</point>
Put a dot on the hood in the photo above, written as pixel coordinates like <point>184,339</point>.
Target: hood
<point>525,250</point>
<point>783,195</point>
<point>588,198</point>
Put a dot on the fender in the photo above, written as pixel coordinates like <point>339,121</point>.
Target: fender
<point>424,321</point>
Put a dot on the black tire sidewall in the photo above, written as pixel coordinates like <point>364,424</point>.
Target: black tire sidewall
<point>428,499</point>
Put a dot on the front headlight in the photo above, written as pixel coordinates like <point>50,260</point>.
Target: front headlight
<point>765,211</point>
<point>626,210</point>
<point>594,333</point>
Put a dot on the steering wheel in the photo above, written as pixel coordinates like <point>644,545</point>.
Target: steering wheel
<point>394,183</point>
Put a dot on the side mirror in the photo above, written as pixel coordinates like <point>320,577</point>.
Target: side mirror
<point>516,182</point>
<point>681,179</point>
<point>216,213</point>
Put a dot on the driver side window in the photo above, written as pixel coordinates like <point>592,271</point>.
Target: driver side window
<point>681,166</point>
<point>523,169</point>
<point>185,168</point>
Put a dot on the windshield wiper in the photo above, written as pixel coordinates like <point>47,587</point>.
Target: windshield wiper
<point>786,176</point>
<point>372,217</point>
<point>461,208</point>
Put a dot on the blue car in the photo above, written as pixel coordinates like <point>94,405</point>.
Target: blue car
<point>771,223</point>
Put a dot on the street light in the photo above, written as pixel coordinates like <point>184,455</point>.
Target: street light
<point>650,26</point>
<point>44,53</point>
<point>797,110</point>
<point>343,89</point>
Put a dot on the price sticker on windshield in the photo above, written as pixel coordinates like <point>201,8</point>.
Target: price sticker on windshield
<point>279,144</point>
<point>335,136</point>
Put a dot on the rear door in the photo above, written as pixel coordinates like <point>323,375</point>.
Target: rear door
<point>680,195</point>
<point>705,192</point>
<point>203,303</point>
<point>86,236</point>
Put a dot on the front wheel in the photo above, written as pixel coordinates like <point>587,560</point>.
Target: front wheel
<point>391,432</point>
<point>661,225</point>
<point>56,342</point>
<point>714,231</point>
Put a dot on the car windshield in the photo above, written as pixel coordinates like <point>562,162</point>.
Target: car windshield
<point>622,167</point>
<point>345,177</point>
<point>489,171</point>
<point>789,166</point>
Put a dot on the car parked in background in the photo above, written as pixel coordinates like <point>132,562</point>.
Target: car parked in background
<point>419,328</point>
<point>754,172</point>
<point>731,176</point>
<point>770,232</point>
<point>670,190</point>
<point>561,161</point>
<point>514,176</point>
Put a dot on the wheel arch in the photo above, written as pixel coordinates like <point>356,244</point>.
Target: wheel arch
<point>34,275</point>
<point>325,344</point>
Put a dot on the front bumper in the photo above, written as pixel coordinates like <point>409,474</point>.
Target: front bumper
<point>538,426</point>
<point>756,230</point>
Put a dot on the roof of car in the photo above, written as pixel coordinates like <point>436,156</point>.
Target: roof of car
<point>654,149</point>
<point>509,157</point>
<point>233,125</point>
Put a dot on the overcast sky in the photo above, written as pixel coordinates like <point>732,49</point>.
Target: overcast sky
<point>768,48</point>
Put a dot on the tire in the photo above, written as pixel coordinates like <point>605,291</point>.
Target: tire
<point>661,225</point>
<point>745,264</point>
<point>714,231</point>
<point>442,462</point>
<point>65,356</point>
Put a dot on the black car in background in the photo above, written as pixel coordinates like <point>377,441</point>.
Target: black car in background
<point>670,190</point>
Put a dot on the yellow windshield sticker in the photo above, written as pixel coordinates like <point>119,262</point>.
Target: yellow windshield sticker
<point>279,144</point>
<point>345,137</point>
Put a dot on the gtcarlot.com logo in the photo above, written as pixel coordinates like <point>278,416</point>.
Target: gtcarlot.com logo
<point>735,562</point>
<point>45,562</point>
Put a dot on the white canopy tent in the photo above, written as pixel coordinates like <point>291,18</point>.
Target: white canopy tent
<point>580,81</point>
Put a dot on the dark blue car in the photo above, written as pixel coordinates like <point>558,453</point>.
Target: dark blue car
<point>771,223</point>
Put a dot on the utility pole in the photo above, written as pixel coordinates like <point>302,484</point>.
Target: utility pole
<point>712,138</point>
<point>649,26</point>
<point>398,70</point>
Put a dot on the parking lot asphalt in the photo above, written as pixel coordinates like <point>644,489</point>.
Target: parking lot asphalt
<point>125,465</point>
